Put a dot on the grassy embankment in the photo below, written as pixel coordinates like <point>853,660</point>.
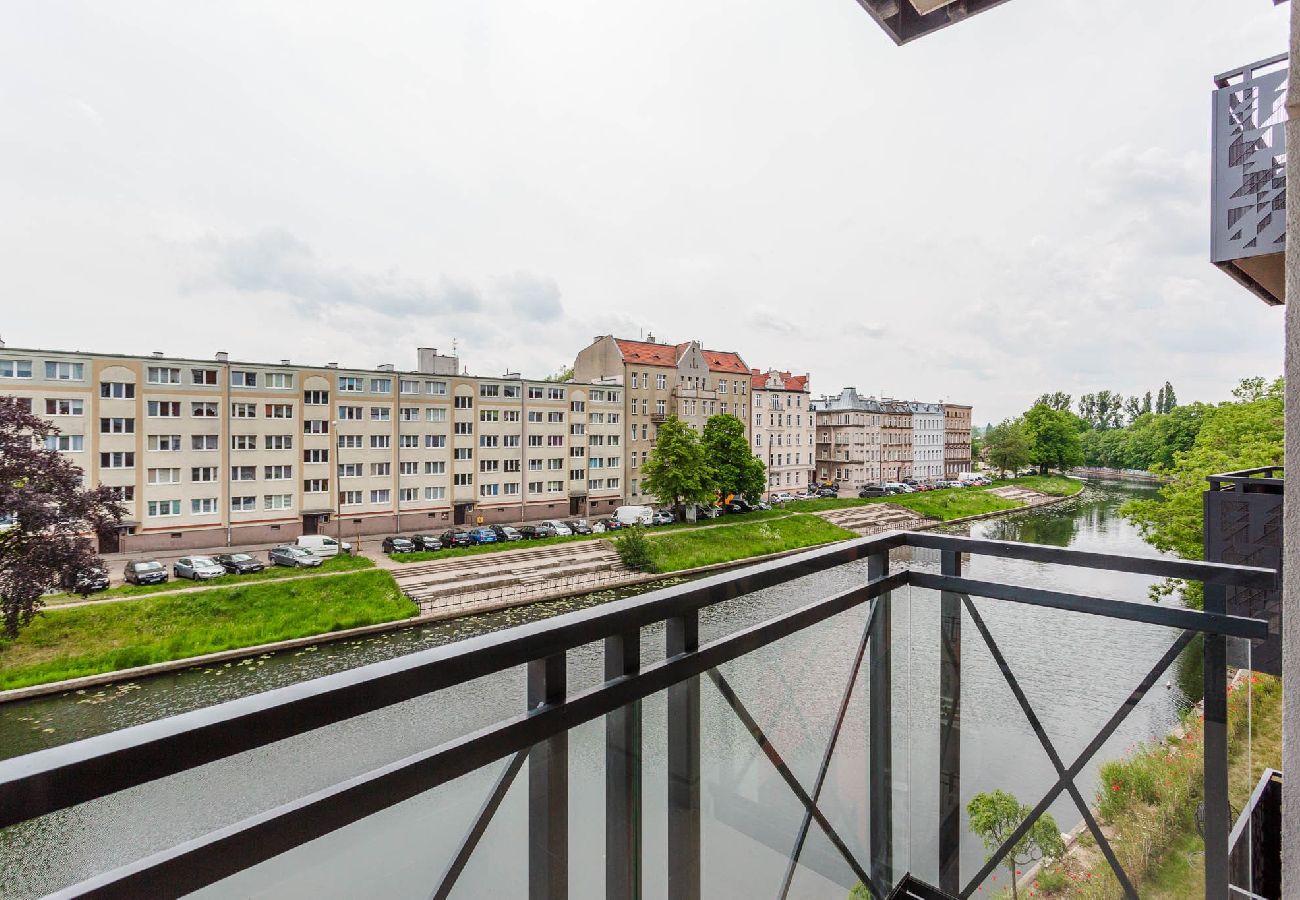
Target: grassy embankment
<point>673,552</point>
<point>334,565</point>
<point>1150,800</point>
<point>951,503</point>
<point>106,637</point>
<point>1055,485</point>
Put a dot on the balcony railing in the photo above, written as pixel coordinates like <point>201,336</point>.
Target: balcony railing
<point>874,682</point>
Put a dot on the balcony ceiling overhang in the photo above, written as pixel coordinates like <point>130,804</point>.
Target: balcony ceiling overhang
<point>907,20</point>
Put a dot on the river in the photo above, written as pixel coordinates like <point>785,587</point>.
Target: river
<point>1075,669</point>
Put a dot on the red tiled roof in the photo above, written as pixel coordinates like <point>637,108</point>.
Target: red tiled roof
<point>647,353</point>
<point>725,361</point>
<point>795,382</point>
<point>758,381</point>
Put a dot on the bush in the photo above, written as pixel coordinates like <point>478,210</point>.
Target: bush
<point>1052,881</point>
<point>634,549</point>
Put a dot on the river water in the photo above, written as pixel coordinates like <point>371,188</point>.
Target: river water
<point>1075,669</point>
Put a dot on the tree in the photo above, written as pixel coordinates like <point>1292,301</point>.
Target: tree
<point>1008,446</point>
<point>46,514</point>
<point>1133,409</point>
<point>1053,438</point>
<point>995,816</point>
<point>1171,401</point>
<point>1146,402</point>
<point>676,472</point>
<point>733,467</point>
<point>1056,400</point>
<point>564,374</point>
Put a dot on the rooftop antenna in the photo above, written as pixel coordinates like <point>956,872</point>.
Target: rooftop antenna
<point>453,346</point>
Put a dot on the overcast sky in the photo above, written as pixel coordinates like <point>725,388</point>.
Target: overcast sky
<point>1013,205</point>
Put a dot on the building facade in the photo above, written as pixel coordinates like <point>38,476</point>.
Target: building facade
<point>208,453</point>
<point>783,428</point>
<point>848,439</point>
<point>956,439</point>
<point>896,441</point>
<point>928,449</point>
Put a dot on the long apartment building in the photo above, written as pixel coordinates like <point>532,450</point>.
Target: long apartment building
<point>865,440</point>
<point>783,428</point>
<point>206,453</point>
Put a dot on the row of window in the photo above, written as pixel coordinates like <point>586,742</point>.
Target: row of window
<point>209,505</point>
<point>54,371</point>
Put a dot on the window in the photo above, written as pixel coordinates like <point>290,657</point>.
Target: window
<point>577,406</point>
<point>164,408</point>
<point>384,469</point>
<point>408,441</point>
<point>722,385</point>
<point>381,496</point>
<point>555,440</point>
<point>315,456</point>
<point>117,426</point>
<point>463,453</point>
<point>277,501</point>
<point>243,442</point>
<point>117,460</point>
<point>243,410</point>
<point>65,443</point>
<point>489,490</point>
<point>436,468</point>
<point>510,465</point>
<point>534,440</point>
<point>350,413</point>
<point>464,428</point>
<point>315,426</point>
<point>350,470</point>
<point>489,465</point>
<point>350,498</point>
<point>122,492</point>
<point>534,487</point>
<point>204,410</point>
<point>578,429</point>
<point>612,462</point>
<point>160,508</point>
<point>577,475</point>
<point>435,441</point>
<point>279,410</point>
<point>612,483</point>
<point>243,504</point>
<point>316,398</point>
<point>555,417</point>
<point>381,414</point>
<point>435,493</point>
<point>163,476</point>
<point>278,442</point>
<point>242,378</point>
<point>410,414</point>
<point>277,473</point>
<point>555,393</point>
<point>113,390</point>
<point>15,368</point>
<point>243,473</point>
<point>158,375</point>
<point>634,381</point>
<point>487,440</point>
<point>316,486</point>
<point>534,392</point>
<point>577,451</point>
<point>463,479</point>
<point>435,414</point>
<point>381,386</point>
<point>203,474</point>
<point>407,495</point>
<point>464,403</point>
<point>408,468</point>
<point>63,407</point>
<point>534,416</point>
<point>555,463</point>
<point>437,388</point>
<point>489,390</point>
<point>661,382</point>
<point>510,415</point>
<point>596,484</point>
<point>511,391</point>
<point>350,384</point>
<point>164,442</point>
<point>203,376</point>
<point>555,487</point>
<point>380,442</point>
<point>280,381</point>
<point>489,415</point>
<point>409,387</point>
<point>534,465</point>
<point>349,442</point>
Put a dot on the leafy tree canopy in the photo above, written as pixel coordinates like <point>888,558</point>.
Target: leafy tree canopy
<point>995,815</point>
<point>733,467</point>
<point>1053,437</point>
<point>676,471</point>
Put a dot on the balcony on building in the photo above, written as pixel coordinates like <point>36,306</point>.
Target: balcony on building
<point>907,20</point>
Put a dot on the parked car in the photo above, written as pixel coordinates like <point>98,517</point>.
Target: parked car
<point>456,537</point>
<point>483,535</point>
<point>293,557</point>
<point>239,563</point>
<point>426,542</point>
<point>610,524</point>
<point>634,515</point>
<point>144,571</point>
<point>707,512</point>
<point>532,532</point>
<point>661,517</point>
<point>578,526</point>
<point>873,490</point>
<point>897,487</point>
<point>737,506</point>
<point>782,497</point>
<point>559,527</point>
<point>762,504</point>
<point>827,492</point>
<point>506,532</point>
<point>322,545</point>
<point>397,544</point>
<point>199,568</point>
<point>87,581</point>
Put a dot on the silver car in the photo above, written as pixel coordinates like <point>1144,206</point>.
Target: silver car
<point>200,568</point>
<point>293,557</point>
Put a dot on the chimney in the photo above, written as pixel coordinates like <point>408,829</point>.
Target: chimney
<point>223,356</point>
<point>385,367</point>
<point>331,365</point>
<point>158,354</point>
<point>431,362</point>
<point>284,362</point>
<point>650,337</point>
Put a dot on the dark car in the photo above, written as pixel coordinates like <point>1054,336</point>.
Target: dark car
<point>578,526</point>
<point>397,544</point>
<point>483,535</point>
<point>533,532</point>
<point>736,506</point>
<point>87,581</point>
<point>144,571</point>
<point>239,563</point>
<point>873,490</point>
<point>827,492</point>
<point>611,524</point>
<point>507,532</point>
<point>456,537</point>
<point>426,542</point>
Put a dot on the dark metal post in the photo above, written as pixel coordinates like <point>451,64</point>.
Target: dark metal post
<point>950,730</point>
<point>1216,750</point>
<point>880,744</point>
<point>683,636</point>
<point>623,776</point>
<point>548,789</point>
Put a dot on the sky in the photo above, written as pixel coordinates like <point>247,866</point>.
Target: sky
<point>1014,205</point>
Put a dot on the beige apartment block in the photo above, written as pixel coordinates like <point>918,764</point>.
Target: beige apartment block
<point>956,439</point>
<point>848,439</point>
<point>928,450</point>
<point>209,453</point>
<point>783,428</point>
<point>658,380</point>
<point>896,441</point>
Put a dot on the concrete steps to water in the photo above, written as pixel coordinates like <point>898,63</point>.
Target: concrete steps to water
<point>873,517</point>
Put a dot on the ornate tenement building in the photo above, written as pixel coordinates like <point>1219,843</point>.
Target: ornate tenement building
<point>956,439</point>
<point>782,428</point>
<point>848,438</point>
<point>214,452</point>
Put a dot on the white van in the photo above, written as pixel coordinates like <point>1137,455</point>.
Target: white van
<point>634,515</point>
<point>321,545</point>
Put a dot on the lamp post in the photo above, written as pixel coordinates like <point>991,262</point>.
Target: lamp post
<point>338,486</point>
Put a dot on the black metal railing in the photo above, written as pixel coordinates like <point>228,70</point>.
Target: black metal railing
<point>1256,842</point>
<point>56,779</point>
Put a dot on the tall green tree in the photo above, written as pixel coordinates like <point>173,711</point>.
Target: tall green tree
<point>1056,400</point>
<point>733,467</point>
<point>1146,402</point>
<point>676,472</point>
<point>1053,436</point>
<point>1132,409</point>
<point>1008,446</point>
<point>995,815</point>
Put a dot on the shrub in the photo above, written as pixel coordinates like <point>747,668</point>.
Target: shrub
<point>634,549</point>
